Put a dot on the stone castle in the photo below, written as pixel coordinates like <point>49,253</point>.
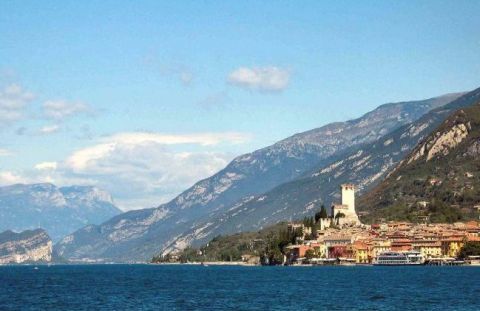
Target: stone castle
<point>344,213</point>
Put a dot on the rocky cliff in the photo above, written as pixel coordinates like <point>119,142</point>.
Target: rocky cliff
<point>27,246</point>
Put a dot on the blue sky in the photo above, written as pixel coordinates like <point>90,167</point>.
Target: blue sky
<point>143,99</point>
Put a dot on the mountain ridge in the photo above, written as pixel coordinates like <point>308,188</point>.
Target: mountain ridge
<point>363,165</point>
<point>140,234</point>
<point>439,179</point>
<point>59,210</point>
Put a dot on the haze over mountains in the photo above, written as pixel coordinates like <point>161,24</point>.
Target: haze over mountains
<point>58,210</point>
<point>137,235</point>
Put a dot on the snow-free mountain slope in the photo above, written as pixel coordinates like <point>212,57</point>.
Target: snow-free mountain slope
<point>439,179</point>
<point>364,165</point>
<point>138,235</point>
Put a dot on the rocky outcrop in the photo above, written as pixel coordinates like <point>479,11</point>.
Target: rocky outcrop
<point>448,140</point>
<point>474,149</point>
<point>442,142</point>
<point>27,246</point>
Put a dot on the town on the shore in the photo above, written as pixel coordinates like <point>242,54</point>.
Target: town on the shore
<point>342,239</point>
<point>339,238</point>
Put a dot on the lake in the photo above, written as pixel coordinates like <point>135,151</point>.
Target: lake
<point>188,287</point>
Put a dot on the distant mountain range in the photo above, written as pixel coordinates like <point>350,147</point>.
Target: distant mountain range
<point>440,178</point>
<point>137,235</point>
<point>59,211</point>
<point>26,246</point>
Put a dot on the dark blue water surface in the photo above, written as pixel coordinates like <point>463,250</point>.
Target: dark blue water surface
<point>179,287</point>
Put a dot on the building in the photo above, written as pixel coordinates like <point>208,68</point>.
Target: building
<point>379,246</point>
<point>428,248</point>
<point>300,230</point>
<point>451,245</point>
<point>361,252</point>
<point>336,242</point>
<point>296,253</point>
<point>401,245</point>
<point>345,213</point>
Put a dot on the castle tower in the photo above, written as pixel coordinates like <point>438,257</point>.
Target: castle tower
<point>347,208</point>
<point>348,197</point>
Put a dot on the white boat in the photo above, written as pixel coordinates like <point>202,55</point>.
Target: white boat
<point>399,259</point>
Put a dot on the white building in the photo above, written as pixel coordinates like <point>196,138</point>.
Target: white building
<point>347,207</point>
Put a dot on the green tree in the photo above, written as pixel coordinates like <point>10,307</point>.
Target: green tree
<point>340,215</point>
<point>470,249</point>
<point>322,214</point>
<point>309,254</point>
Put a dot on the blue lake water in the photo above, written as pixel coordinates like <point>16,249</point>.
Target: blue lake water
<point>180,287</point>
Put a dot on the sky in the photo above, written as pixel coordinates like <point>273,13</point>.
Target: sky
<point>144,98</point>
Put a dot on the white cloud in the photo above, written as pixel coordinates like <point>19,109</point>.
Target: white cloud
<point>271,78</point>
<point>46,166</point>
<point>13,102</point>
<point>5,152</point>
<point>61,109</point>
<point>8,178</point>
<point>140,169</point>
<point>49,129</point>
<point>81,159</point>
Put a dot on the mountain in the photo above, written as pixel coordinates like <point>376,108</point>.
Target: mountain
<point>364,165</point>
<point>137,235</point>
<point>27,246</point>
<point>60,211</point>
<point>439,179</point>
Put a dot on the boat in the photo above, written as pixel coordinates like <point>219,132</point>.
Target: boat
<point>473,260</point>
<point>399,259</point>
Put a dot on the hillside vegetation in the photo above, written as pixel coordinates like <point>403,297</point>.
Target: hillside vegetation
<point>439,179</point>
<point>232,247</point>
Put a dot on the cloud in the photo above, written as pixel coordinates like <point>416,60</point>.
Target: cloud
<point>13,102</point>
<point>61,109</point>
<point>271,79</point>
<point>140,169</point>
<point>80,159</point>
<point>49,129</point>
<point>46,166</point>
<point>152,171</point>
<point>8,178</point>
<point>5,152</point>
